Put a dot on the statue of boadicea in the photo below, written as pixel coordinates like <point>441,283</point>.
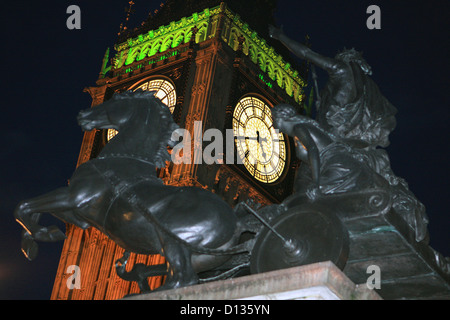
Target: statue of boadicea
<point>343,147</point>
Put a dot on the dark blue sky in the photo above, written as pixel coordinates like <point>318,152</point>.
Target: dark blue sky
<point>46,66</point>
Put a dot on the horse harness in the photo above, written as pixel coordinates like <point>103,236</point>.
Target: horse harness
<point>122,188</point>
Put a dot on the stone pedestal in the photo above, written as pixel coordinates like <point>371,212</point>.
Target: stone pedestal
<point>319,281</point>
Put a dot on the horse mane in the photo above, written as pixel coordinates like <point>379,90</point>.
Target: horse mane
<point>167,124</point>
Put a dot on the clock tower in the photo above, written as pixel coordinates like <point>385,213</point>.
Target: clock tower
<point>212,64</point>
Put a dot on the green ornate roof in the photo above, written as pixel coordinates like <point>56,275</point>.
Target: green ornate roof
<point>153,42</point>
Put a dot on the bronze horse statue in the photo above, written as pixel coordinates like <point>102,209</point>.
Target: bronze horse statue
<point>119,194</point>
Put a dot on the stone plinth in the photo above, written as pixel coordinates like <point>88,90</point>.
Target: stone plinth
<point>319,281</point>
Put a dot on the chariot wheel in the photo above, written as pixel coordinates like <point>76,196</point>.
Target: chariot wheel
<point>299,237</point>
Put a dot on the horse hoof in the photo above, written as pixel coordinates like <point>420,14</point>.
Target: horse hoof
<point>29,246</point>
<point>55,234</point>
<point>49,234</point>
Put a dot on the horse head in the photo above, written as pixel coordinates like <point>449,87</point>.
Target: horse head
<point>111,114</point>
<point>121,108</point>
<point>144,124</point>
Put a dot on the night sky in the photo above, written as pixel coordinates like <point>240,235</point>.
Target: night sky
<point>45,67</point>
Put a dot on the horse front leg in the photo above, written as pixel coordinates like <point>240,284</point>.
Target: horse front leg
<point>28,214</point>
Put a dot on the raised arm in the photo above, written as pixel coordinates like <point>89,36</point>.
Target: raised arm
<point>328,64</point>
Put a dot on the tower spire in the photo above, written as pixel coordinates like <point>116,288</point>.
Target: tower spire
<point>129,11</point>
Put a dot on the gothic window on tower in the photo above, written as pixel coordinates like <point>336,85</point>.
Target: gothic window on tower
<point>261,148</point>
<point>165,91</point>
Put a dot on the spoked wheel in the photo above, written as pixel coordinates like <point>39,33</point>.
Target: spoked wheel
<point>300,237</point>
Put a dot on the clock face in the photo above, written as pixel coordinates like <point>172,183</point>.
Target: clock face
<point>261,148</point>
<point>165,91</point>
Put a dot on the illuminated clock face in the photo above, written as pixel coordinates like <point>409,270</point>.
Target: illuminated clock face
<point>165,91</point>
<point>261,149</point>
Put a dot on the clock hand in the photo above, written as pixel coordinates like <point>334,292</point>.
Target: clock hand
<point>260,140</point>
<point>257,138</point>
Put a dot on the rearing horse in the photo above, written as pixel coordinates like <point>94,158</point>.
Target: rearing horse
<point>119,194</point>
